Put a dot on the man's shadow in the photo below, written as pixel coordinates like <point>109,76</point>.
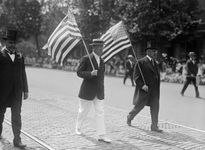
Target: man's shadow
<point>168,138</point>
<point>113,145</point>
<point>6,145</point>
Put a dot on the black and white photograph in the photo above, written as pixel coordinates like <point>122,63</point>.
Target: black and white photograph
<point>102,74</point>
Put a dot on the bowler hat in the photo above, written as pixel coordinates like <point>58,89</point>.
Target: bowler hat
<point>192,54</point>
<point>97,42</point>
<point>11,35</point>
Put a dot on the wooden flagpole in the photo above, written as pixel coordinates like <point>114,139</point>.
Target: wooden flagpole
<point>135,56</point>
<point>86,49</point>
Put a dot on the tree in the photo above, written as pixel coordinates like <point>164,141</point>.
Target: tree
<point>23,15</point>
<point>158,20</point>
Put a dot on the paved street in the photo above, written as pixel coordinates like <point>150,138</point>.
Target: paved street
<point>50,113</point>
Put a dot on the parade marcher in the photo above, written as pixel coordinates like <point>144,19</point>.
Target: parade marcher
<point>13,83</point>
<point>92,90</point>
<point>129,69</point>
<point>147,92</point>
<point>191,73</point>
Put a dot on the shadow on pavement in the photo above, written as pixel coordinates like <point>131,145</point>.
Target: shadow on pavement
<point>168,138</point>
<point>117,144</point>
<point>6,145</point>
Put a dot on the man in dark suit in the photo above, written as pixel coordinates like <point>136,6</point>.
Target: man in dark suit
<point>92,90</point>
<point>13,83</point>
<point>129,69</point>
<point>147,91</point>
<point>191,73</point>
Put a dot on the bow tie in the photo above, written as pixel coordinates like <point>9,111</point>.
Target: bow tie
<point>10,52</point>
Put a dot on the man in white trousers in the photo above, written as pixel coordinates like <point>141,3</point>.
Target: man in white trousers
<point>92,90</point>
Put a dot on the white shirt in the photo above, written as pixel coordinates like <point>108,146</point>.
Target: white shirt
<point>97,58</point>
<point>12,56</point>
<point>149,57</point>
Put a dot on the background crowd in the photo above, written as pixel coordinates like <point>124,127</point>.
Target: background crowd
<point>171,69</point>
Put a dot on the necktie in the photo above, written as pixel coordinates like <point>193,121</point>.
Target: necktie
<point>10,52</point>
<point>152,61</point>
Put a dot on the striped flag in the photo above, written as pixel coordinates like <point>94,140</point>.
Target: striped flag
<point>115,40</point>
<point>63,39</point>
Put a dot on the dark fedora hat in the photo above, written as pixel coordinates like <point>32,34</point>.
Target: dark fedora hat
<point>11,34</point>
<point>97,42</point>
<point>192,54</point>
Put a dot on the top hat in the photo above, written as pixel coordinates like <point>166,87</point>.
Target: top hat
<point>192,54</point>
<point>97,42</point>
<point>11,35</point>
<point>150,48</point>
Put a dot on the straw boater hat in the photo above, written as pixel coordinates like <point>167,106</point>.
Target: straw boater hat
<point>192,54</point>
<point>97,42</point>
<point>129,56</point>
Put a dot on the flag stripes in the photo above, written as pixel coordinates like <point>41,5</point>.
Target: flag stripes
<point>115,40</point>
<point>63,39</point>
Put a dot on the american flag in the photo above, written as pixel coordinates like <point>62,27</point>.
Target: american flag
<point>63,39</point>
<point>115,40</point>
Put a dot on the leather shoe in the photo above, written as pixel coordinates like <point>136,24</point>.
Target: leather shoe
<point>19,145</point>
<point>128,121</point>
<point>104,139</point>
<point>156,130</point>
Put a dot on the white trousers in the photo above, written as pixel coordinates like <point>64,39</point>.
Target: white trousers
<point>85,107</point>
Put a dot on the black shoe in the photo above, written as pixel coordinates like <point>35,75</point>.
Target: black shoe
<point>156,130</point>
<point>182,94</point>
<point>19,145</point>
<point>128,121</point>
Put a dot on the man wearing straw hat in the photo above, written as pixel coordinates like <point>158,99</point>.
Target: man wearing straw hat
<point>191,72</point>
<point>91,69</point>
<point>147,79</point>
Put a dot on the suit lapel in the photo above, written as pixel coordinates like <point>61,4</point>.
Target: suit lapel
<point>6,55</point>
<point>150,64</point>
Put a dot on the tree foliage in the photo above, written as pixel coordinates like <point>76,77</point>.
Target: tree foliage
<point>158,20</point>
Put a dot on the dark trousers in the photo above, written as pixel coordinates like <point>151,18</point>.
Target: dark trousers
<point>154,111</point>
<point>187,82</point>
<point>128,75</point>
<point>15,119</point>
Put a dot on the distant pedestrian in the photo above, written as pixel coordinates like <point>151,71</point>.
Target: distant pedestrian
<point>13,84</point>
<point>129,69</point>
<point>92,90</point>
<point>147,90</point>
<point>191,73</point>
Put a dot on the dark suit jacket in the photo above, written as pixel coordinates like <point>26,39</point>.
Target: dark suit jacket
<point>13,80</point>
<point>91,86</point>
<point>152,79</point>
<point>191,67</point>
<point>129,67</point>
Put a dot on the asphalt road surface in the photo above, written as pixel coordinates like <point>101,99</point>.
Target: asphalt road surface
<point>187,111</point>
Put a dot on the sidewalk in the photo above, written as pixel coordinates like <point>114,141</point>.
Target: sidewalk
<point>51,118</point>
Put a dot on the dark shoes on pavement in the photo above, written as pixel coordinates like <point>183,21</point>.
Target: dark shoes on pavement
<point>128,121</point>
<point>19,145</point>
<point>156,129</point>
<point>103,138</point>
